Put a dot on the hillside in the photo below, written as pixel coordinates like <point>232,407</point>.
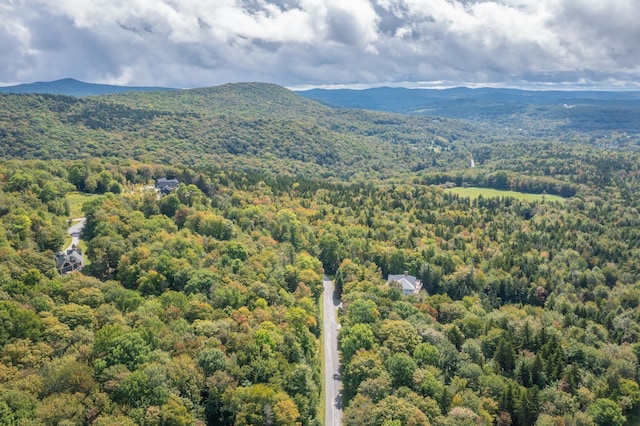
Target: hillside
<point>72,87</point>
<point>542,112</point>
<point>264,127</point>
<point>258,126</point>
<point>248,125</point>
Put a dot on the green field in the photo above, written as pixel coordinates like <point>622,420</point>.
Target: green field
<point>474,193</point>
<point>76,200</point>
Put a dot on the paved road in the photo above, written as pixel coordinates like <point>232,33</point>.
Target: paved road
<point>333,394</point>
<point>74,230</point>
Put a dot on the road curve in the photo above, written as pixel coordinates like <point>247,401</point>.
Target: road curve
<point>333,393</point>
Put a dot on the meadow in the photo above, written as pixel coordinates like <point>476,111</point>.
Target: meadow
<point>474,192</point>
<point>76,200</point>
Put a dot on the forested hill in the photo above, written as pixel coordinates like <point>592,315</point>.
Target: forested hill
<point>247,125</point>
<point>583,111</point>
<point>72,87</point>
<point>262,99</point>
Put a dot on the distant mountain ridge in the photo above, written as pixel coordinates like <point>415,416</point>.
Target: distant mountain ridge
<point>405,100</point>
<point>73,87</point>
<point>574,110</point>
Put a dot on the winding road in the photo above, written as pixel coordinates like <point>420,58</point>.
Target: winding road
<point>333,393</point>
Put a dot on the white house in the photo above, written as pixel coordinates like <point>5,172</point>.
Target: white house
<point>407,283</point>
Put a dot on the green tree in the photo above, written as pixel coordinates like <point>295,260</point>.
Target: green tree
<point>251,404</point>
<point>397,262</point>
<point>505,355</point>
<point>606,412</point>
<point>18,227</point>
<point>77,175</point>
<point>399,336</point>
<point>431,386</point>
<point>129,349</point>
<point>393,408</point>
<point>202,281</point>
<point>152,282</point>
<point>426,354</point>
<point>169,205</point>
<point>109,420</point>
<point>105,252</point>
<point>363,311</point>
<point>353,338</point>
<point>135,389</point>
<point>67,375</point>
<point>285,412</point>
<point>75,315</point>
<point>7,416</point>
<point>401,368</point>
<point>211,360</point>
<point>175,413</point>
<point>332,252</point>
<point>363,366</point>
<point>235,250</point>
<point>18,323</point>
<point>60,408</point>
<point>20,182</point>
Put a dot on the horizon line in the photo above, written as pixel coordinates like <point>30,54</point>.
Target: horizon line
<point>579,86</point>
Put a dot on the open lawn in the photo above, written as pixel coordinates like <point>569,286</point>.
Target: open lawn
<point>76,200</point>
<point>474,193</point>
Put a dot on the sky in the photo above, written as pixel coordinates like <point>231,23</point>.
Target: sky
<point>323,43</point>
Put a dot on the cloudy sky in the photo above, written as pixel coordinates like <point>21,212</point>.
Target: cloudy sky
<point>193,43</point>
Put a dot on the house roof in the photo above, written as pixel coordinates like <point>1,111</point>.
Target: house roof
<point>69,260</point>
<point>70,255</point>
<point>163,183</point>
<point>406,281</point>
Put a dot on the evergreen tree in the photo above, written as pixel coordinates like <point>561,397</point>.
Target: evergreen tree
<point>505,355</point>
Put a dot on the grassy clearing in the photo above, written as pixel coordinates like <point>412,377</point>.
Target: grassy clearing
<point>76,200</point>
<point>67,241</point>
<point>473,193</point>
<point>83,246</point>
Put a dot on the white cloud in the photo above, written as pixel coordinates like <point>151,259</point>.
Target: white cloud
<point>189,43</point>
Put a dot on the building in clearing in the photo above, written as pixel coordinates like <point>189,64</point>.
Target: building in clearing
<point>165,186</point>
<point>407,283</point>
<point>69,260</point>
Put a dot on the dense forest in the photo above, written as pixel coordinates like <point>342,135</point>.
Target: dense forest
<point>203,306</point>
<point>200,306</point>
<point>259,126</point>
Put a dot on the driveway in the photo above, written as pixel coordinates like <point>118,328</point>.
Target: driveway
<point>74,230</point>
